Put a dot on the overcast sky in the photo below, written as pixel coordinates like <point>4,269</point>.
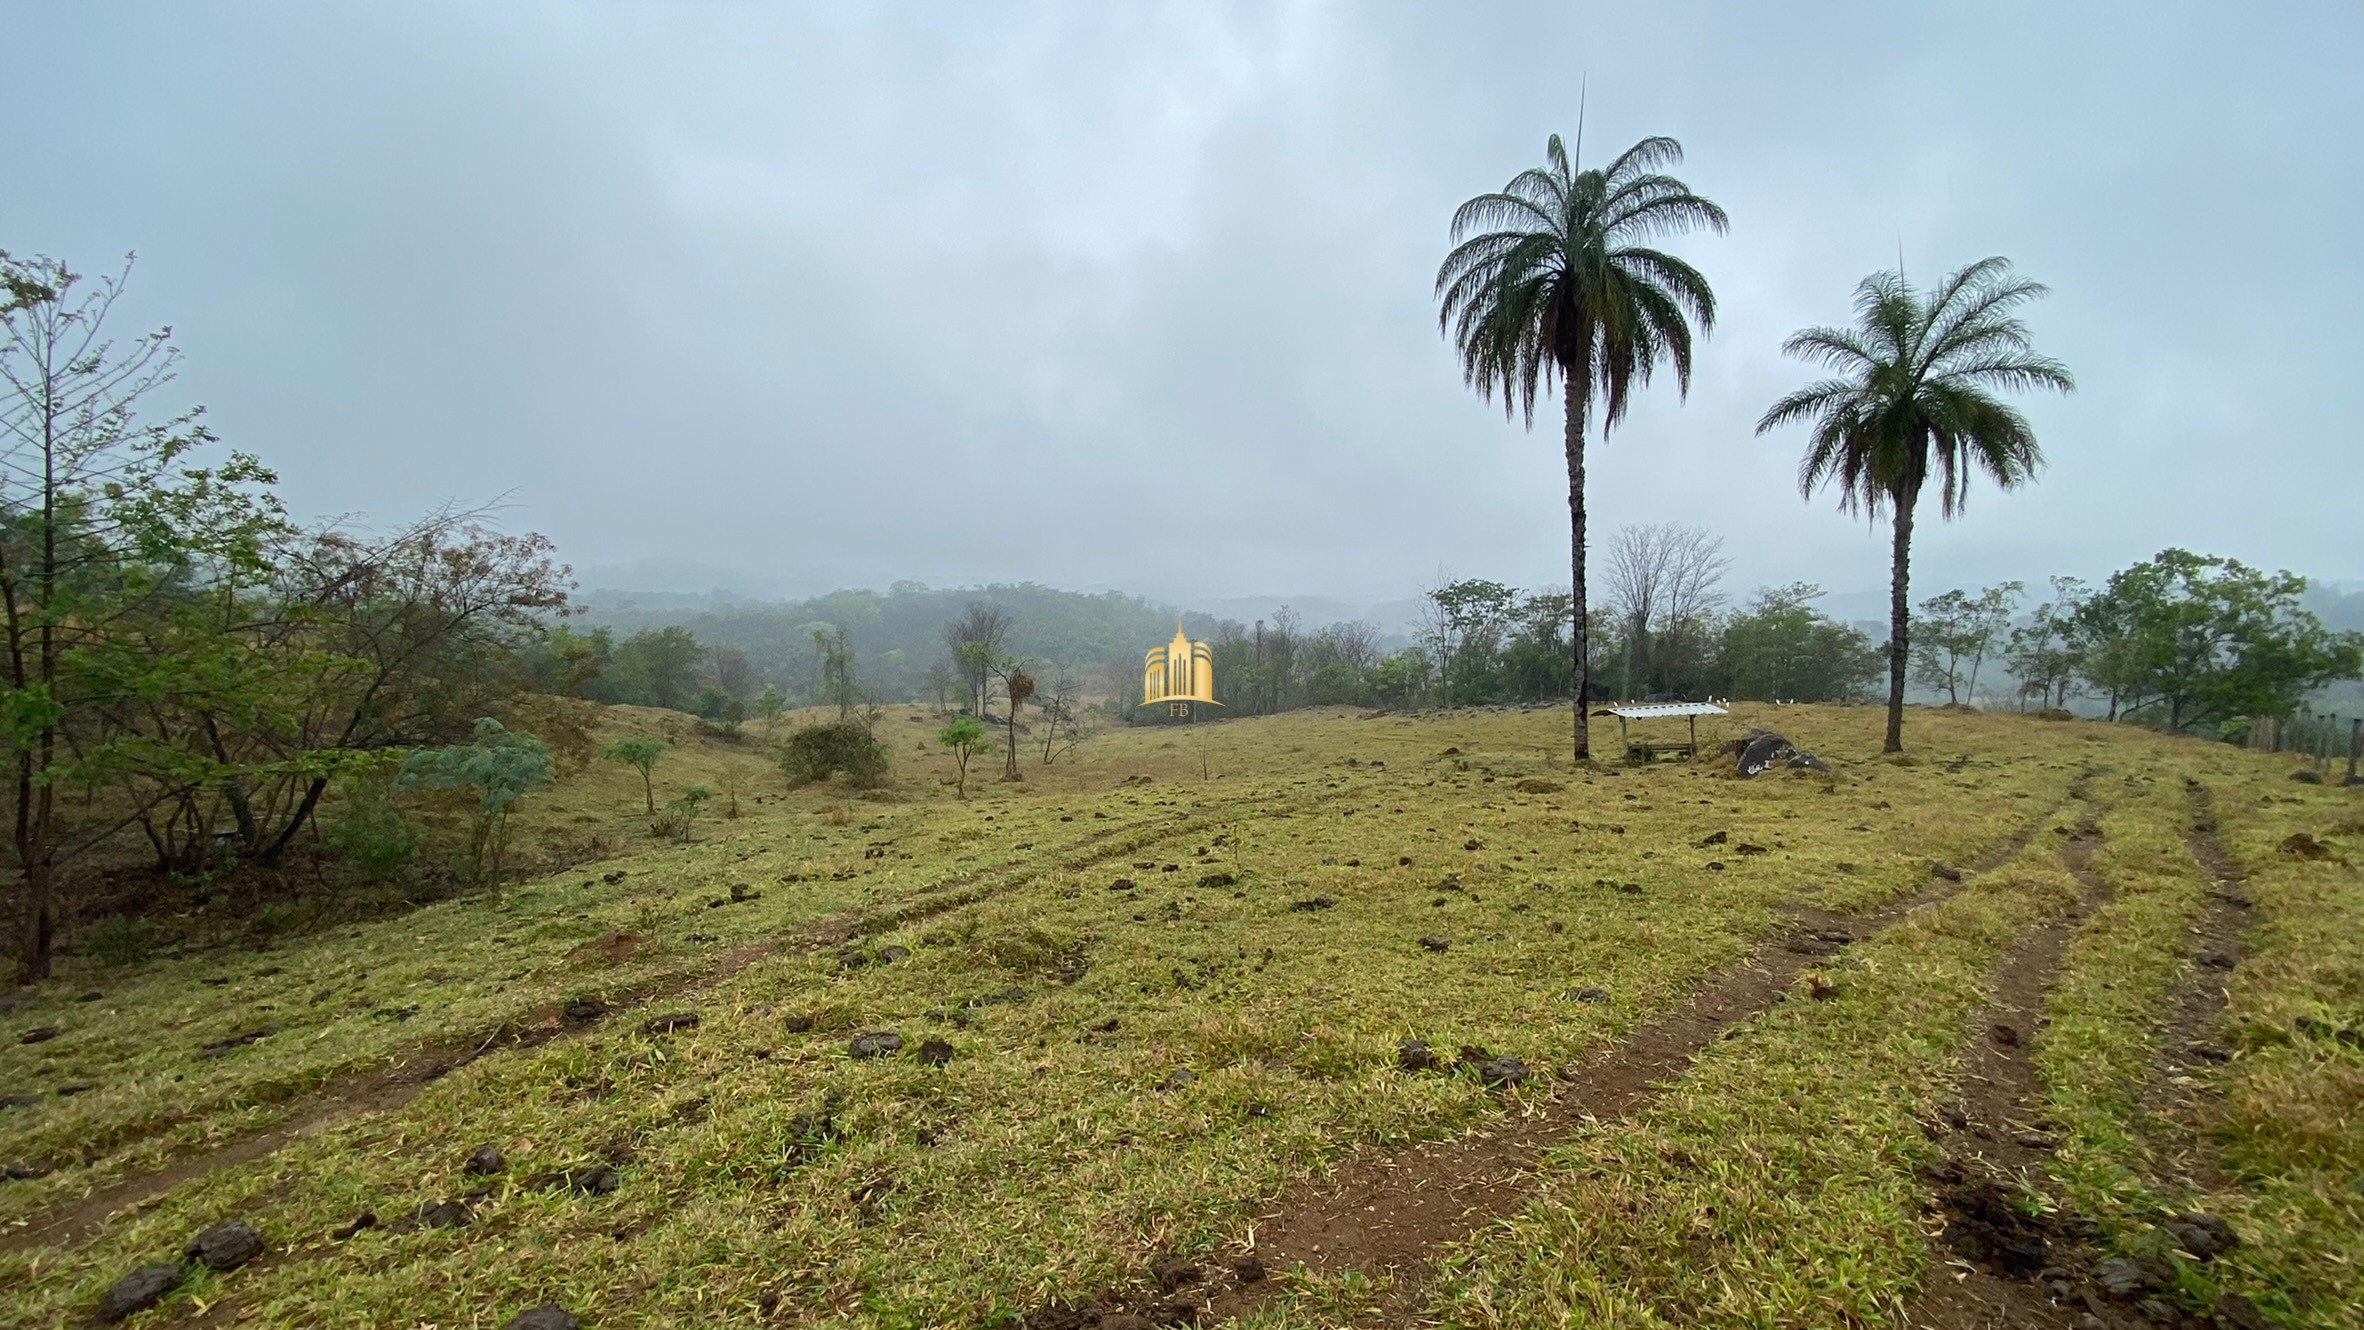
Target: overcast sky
<point>1140,295</point>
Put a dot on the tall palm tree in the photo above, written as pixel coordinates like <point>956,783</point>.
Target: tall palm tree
<point>1913,400</point>
<point>1549,277</point>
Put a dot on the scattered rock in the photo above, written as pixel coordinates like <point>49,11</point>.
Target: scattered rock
<point>741,894</point>
<point>1714,838</point>
<point>1505,1072</point>
<point>224,1246</point>
<point>1175,1080</point>
<point>486,1161</point>
<point>798,1024</point>
<point>22,1172</point>
<point>1946,871</point>
<point>934,1053</point>
<point>2202,1236</point>
<point>597,1180</point>
<point>2215,960</point>
<point>1587,994</point>
<point>2005,1036</point>
<point>1953,1116</point>
<point>72,1088</point>
<point>1213,880</point>
<point>436,1214</point>
<point>1122,884</point>
<point>875,1044</point>
<point>39,1034</point>
<point>2307,776</point>
<point>1433,942</point>
<point>548,1316</point>
<point>141,1289</point>
<point>2126,1278</point>
<point>2033,1140</point>
<point>1746,848</point>
<point>670,1022</point>
<point>1310,904</point>
<point>1416,1055</point>
<point>1536,785</point>
<point>584,1010</point>
<point>890,954</point>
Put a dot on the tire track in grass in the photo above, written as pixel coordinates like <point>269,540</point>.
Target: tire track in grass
<point>389,1088</point>
<point>2174,1093</point>
<point>1393,1212</point>
<point>1997,1140</point>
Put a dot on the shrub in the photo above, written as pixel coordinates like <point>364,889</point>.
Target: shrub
<point>675,821</point>
<point>378,842</point>
<point>840,747</point>
<point>120,940</point>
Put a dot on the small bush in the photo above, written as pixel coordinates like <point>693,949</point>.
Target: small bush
<point>378,842</point>
<point>120,940</point>
<point>839,748</point>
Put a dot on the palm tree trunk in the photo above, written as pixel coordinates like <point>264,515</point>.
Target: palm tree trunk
<point>1897,614</point>
<point>1575,390</point>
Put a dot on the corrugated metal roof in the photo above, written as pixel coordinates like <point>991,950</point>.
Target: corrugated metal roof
<point>1647,710</point>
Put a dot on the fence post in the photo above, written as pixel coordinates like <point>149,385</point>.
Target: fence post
<point>2355,747</point>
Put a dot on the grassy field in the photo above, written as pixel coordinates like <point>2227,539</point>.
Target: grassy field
<point>1153,997</point>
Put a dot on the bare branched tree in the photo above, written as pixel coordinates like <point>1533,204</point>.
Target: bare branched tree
<point>1663,579</point>
<point>975,641</point>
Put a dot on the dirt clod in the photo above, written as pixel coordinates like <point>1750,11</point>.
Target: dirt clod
<point>1434,942</point>
<point>367,1219</point>
<point>2004,1035</point>
<point>934,1053</point>
<point>1312,903</point>
<point>548,1316</point>
<point>670,1022</point>
<point>585,1010</point>
<point>1172,1272</point>
<point>487,1161</point>
<point>2297,842</point>
<point>1416,1055</point>
<point>1986,1227</point>
<point>1587,994</point>
<point>224,1246</point>
<point>39,1034</point>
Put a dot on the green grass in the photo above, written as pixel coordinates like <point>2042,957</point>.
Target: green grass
<point>1044,1162</point>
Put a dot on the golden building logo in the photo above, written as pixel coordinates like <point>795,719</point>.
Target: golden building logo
<point>1178,674</point>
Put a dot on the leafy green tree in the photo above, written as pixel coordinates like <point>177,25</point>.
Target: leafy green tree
<point>498,767</point>
<point>2206,640</point>
<point>769,707</point>
<point>964,737</point>
<point>1912,399</point>
<point>1958,632</point>
<point>655,667</point>
<point>1779,648</point>
<point>641,755</point>
<point>2045,654</point>
<point>1552,276</point>
<point>115,556</point>
<point>1465,625</point>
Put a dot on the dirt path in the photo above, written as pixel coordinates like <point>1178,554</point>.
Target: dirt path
<point>1997,1140</point>
<point>388,1088</point>
<point>1393,1212</point>
<point>2176,1093</point>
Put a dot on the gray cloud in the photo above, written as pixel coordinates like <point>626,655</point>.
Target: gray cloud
<point>1139,296</point>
